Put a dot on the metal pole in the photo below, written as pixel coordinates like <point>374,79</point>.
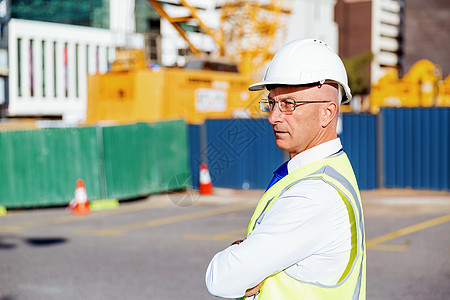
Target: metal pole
<point>101,161</point>
<point>203,150</point>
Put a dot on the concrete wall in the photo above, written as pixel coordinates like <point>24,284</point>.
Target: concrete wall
<point>354,19</point>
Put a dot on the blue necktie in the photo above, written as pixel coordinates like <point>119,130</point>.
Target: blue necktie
<point>278,174</point>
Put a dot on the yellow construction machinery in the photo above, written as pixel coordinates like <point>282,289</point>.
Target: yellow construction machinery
<point>209,86</point>
<point>421,86</point>
<point>131,92</point>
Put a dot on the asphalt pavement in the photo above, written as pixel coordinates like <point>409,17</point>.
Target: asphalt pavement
<point>159,247</point>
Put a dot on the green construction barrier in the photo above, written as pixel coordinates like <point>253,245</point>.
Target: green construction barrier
<point>40,167</point>
<point>143,158</point>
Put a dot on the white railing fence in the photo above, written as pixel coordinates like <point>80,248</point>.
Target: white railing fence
<point>49,64</point>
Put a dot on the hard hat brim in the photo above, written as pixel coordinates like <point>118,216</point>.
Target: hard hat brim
<point>257,86</point>
<point>263,84</point>
<point>346,97</point>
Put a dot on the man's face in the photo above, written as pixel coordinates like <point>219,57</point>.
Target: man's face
<point>301,129</point>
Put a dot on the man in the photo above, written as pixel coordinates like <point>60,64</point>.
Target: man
<point>305,239</point>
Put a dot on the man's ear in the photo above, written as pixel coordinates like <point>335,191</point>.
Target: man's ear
<point>329,113</point>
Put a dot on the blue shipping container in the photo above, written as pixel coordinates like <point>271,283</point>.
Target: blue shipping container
<point>359,140</point>
<point>416,147</point>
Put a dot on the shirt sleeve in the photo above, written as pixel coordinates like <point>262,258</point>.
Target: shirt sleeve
<point>296,226</point>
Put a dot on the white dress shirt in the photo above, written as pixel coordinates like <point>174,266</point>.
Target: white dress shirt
<point>306,232</point>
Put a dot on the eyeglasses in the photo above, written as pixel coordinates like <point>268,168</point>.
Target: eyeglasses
<point>285,105</point>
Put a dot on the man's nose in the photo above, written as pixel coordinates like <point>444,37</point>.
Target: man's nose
<point>276,115</point>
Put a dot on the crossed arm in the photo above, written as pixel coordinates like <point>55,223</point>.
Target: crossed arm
<point>251,291</point>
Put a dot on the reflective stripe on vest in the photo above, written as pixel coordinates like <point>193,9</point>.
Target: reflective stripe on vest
<point>352,283</point>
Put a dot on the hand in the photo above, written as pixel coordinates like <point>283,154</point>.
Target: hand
<point>252,291</point>
<point>237,242</point>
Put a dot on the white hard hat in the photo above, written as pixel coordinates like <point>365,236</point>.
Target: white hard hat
<point>305,61</point>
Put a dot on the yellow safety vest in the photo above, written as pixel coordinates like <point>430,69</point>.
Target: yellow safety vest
<point>336,171</point>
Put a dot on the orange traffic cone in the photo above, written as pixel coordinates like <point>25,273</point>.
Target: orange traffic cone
<point>206,187</point>
<point>79,204</point>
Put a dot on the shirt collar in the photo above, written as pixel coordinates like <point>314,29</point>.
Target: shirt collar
<point>313,154</point>
<point>281,171</point>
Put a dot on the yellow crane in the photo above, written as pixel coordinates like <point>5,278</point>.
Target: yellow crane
<point>250,30</point>
<point>130,92</point>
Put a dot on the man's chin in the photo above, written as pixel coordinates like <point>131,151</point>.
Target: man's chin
<point>281,144</point>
